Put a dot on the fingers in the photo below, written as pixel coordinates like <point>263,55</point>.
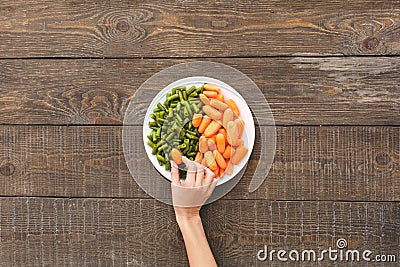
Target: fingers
<point>199,174</point>
<point>191,172</point>
<point>209,176</point>
<point>175,174</point>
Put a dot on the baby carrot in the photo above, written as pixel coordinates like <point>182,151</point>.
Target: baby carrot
<point>211,144</point>
<point>212,112</point>
<point>210,94</point>
<point>232,134</point>
<point>221,172</point>
<point>204,99</point>
<point>223,131</point>
<point>240,127</point>
<point>240,152</point>
<point>199,157</point>
<point>219,159</point>
<point>212,129</point>
<point>196,120</point>
<point>176,156</point>
<point>218,104</point>
<point>228,152</point>
<point>210,87</point>
<point>232,105</point>
<point>203,145</point>
<point>229,168</point>
<point>227,117</point>
<point>220,143</point>
<point>210,161</point>
<point>220,97</point>
<point>204,123</point>
<point>213,138</point>
<point>216,172</point>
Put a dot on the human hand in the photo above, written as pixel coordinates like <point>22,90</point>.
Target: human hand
<point>189,196</point>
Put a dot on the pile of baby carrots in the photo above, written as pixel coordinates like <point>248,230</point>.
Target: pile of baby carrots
<point>220,145</point>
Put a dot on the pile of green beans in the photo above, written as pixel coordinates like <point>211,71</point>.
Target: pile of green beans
<point>172,125</point>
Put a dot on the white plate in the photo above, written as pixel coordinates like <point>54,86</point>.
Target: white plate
<point>229,93</point>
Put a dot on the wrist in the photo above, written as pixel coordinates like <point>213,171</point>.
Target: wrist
<point>191,219</point>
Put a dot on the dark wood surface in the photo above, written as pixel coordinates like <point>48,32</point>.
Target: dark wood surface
<point>198,29</point>
<point>122,232</point>
<point>68,69</point>
<point>300,91</point>
<point>349,163</point>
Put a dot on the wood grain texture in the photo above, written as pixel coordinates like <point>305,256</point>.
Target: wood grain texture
<point>105,232</point>
<point>311,163</point>
<point>300,91</point>
<point>192,29</point>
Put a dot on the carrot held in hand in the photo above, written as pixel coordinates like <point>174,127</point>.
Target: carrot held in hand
<point>176,156</point>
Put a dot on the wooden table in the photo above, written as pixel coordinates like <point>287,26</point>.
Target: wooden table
<point>329,69</point>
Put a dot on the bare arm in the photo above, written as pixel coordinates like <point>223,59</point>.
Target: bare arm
<point>199,185</point>
<point>197,247</point>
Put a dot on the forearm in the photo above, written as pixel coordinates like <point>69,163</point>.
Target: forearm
<point>197,247</point>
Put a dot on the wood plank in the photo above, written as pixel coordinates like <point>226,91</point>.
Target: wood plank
<point>192,29</point>
<point>106,232</point>
<point>302,91</point>
<point>311,163</point>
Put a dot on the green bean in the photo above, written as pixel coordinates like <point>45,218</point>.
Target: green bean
<point>168,166</point>
<point>191,90</point>
<point>188,108</point>
<point>152,124</point>
<point>191,136</point>
<point>161,158</point>
<point>154,150</point>
<point>161,148</point>
<point>192,154</point>
<point>200,89</point>
<point>170,136</point>
<point>180,88</point>
<point>195,108</point>
<point>173,97</point>
<point>160,106</point>
<point>184,95</point>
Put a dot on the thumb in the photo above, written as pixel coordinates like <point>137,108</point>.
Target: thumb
<point>175,174</point>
